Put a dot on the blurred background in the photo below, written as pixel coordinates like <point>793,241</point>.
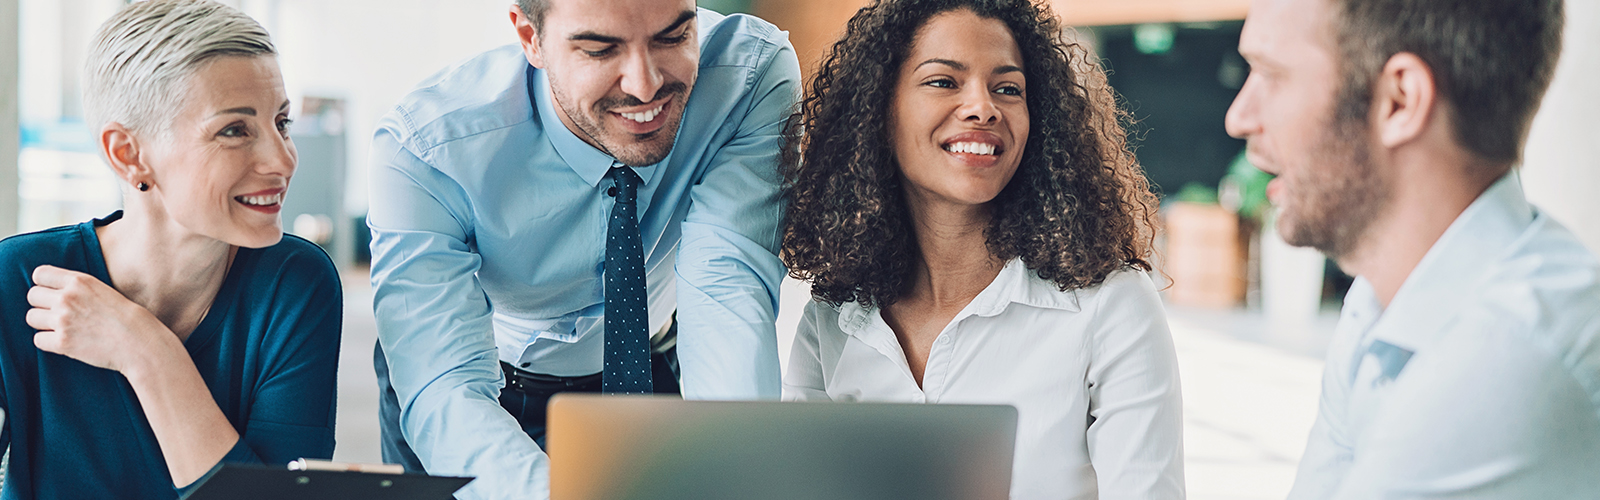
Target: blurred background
<point>1250,315</point>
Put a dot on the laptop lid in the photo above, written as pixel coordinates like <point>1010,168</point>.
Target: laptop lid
<point>662,447</point>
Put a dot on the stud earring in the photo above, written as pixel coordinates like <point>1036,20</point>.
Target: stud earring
<point>142,186</point>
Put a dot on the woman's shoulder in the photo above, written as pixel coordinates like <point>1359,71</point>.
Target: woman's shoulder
<point>295,261</point>
<point>1128,285</point>
<point>822,318</point>
<point>62,246</point>
<point>1128,280</point>
<point>42,244</point>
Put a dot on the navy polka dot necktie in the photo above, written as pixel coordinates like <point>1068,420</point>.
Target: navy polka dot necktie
<point>627,356</point>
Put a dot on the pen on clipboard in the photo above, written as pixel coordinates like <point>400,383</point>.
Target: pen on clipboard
<point>312,464</point>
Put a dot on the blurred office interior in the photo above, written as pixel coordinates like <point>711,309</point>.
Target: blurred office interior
<point>1250,315</point>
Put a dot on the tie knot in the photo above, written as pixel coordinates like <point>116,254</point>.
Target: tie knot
<point>624,176</point>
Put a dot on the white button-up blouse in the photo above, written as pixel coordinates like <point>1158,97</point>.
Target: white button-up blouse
<point>1092,373</point>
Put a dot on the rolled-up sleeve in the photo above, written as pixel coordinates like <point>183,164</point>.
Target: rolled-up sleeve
<point>434,327</point>
<point>728,269</point>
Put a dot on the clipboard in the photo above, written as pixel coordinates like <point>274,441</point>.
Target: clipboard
<point>261,482</point>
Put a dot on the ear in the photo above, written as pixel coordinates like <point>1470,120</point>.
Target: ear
<point>125,153</point>
<point>1404,98</point>
<point>527,36</point>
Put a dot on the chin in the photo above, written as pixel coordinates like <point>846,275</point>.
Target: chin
<point>257,238</point>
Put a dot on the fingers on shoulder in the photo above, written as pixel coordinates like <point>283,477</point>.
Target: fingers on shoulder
<point>62,279</point>
<point>50,341</point>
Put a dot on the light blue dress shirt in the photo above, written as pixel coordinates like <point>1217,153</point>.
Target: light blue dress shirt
<point>1481,379</point>
<point>488,220</point>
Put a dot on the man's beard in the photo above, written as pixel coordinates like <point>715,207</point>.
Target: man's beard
<point>1339,195</point>
<point>632,150</point>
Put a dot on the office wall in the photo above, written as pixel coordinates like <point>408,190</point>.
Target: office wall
<point>10,133</point>
<point>1561,165</point>
<point>813,25</point>
<point>371,53</point>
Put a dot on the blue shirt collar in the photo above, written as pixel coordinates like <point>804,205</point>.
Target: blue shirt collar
<point>1460,261</point>
<point>590,163</point>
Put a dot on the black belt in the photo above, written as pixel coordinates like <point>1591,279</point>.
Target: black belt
<point>522,380</point>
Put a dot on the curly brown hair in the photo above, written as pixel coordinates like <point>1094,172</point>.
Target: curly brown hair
<point>1077,209</point>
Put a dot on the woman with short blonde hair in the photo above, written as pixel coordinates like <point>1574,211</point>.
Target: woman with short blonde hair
<point>185,330</point>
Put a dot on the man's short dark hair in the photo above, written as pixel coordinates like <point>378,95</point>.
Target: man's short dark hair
<point>535,10</point>
<point>1492,60</point>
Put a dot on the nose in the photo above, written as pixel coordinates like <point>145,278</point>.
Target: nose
<point>1242,121</point>
<point>641,76</point>
<point>278,156</point>
<point>977,105</point>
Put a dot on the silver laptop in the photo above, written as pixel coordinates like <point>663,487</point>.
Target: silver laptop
<point>655,447</point>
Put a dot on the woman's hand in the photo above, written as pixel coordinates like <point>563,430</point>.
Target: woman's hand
<point>80,317</point>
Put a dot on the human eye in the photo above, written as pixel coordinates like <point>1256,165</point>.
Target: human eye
<point>599,53</point>
<point>673,41</point>
<point>943,83</point>
<point>234,130</point>
<point>283,125</point>
<point>1010,90</point>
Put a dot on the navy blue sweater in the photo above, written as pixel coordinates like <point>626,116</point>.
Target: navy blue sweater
<point>268,351</point>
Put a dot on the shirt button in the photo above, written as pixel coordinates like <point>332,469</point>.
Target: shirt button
<point>612,192</point>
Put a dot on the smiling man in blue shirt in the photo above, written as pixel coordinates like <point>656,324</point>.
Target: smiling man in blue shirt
<point>542,212</point>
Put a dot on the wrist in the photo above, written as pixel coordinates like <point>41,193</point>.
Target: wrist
<point>153,348</point>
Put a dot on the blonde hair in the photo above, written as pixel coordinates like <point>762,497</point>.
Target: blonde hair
<point>142,56</point>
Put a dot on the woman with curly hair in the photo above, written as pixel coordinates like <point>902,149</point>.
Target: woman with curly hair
<point>975,230</point>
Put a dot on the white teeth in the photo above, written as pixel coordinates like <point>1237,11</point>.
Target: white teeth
<point>261,201</point>
<point>644,117</point>
<point>975,148</point>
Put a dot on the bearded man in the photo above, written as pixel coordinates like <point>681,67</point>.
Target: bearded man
<point>1466,363</point>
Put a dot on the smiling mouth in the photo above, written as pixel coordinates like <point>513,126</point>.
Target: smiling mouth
<point>644,116</point>
<point>972,148</point>
<point>261,201</point>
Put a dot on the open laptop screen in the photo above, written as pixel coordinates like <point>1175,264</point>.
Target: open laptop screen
<point>636,447</point>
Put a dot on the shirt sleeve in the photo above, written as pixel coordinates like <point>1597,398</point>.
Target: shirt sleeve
<point>728,269</point>
<point>1328,453</point>
<point>804,380</point>
<point>435,329</point>
<point>292,415</point>
<point>1135,434</point>
<point>1486,413</point>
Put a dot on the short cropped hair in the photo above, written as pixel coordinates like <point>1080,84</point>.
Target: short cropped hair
<point>535,10</point>
<point>142,57</point>
<point>1492,60</point>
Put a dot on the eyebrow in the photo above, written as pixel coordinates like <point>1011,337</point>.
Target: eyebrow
<point>246,110</point>
<point>962,67</point>
<point>683,17</point>
<point>237,111</point>
<point>952,64</point>
<point>591,36</point>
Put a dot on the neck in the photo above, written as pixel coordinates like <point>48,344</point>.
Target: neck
<point>1424,201</point>
<point>955,260</point>
<point>162,266</point>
